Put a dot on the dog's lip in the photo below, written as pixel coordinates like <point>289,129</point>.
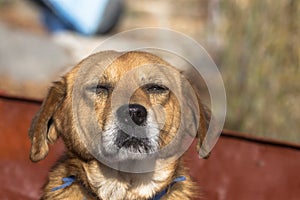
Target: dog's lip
<point>125,140</point>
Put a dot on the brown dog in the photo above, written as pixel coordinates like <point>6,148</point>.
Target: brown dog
<point>124,118</point>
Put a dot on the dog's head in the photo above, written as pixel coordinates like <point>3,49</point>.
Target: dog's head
<point>123,106</point>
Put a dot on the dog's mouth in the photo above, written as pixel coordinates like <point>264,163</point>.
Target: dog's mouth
<point>127,140</point>
<point>133,143</point>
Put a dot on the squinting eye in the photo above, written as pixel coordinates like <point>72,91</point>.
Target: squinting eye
<point>155,88</point>
<point>102,89</point>
<point>99,89</point>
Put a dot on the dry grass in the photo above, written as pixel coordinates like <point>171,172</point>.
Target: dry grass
<point>260,65</point>
<point>185,16</point>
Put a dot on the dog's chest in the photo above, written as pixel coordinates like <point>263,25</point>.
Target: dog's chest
<point>112,187</point>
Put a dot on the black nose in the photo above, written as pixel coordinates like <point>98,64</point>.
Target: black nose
<point>132,112</point>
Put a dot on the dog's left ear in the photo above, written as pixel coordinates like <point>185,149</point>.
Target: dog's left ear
<point>205,116</point>
<point>42,130</point>
<point>198,115</point>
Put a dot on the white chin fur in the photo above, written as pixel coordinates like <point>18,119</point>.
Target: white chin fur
<point>114,153</point>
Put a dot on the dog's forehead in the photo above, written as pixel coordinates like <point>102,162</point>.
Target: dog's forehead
<point>140,66</point>
<point>135,67</point>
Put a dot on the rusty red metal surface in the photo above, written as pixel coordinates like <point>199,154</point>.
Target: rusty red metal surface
<point>19,177</point>
<point>246,168</point>
<point>240,167</point>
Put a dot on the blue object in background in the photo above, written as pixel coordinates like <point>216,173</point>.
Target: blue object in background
<point>87,17</point>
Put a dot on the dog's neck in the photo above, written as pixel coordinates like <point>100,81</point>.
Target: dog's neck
<point>108,183</point>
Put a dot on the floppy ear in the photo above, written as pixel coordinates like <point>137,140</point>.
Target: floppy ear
<point>42,130</point>
<point>205,116</point>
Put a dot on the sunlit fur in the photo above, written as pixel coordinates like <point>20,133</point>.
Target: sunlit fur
<point>94,179</point>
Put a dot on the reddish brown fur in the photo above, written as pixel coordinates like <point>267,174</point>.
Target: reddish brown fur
<point>93,178</point>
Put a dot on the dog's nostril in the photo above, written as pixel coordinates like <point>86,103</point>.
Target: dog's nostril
<point>136,112</point>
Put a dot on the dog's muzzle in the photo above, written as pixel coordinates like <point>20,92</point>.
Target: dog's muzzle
<point>132,123</point>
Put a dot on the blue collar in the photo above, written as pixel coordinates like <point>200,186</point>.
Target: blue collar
<point>165,191</point>
<point>71,179</point>
<point>67,182</point>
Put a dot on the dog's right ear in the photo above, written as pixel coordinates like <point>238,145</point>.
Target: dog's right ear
<point>42,130</point>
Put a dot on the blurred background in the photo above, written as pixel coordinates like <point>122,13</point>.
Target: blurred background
<point>255,44</point>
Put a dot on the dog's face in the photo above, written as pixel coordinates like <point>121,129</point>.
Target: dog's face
<point>120,106</point>
<point>131,125</point>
